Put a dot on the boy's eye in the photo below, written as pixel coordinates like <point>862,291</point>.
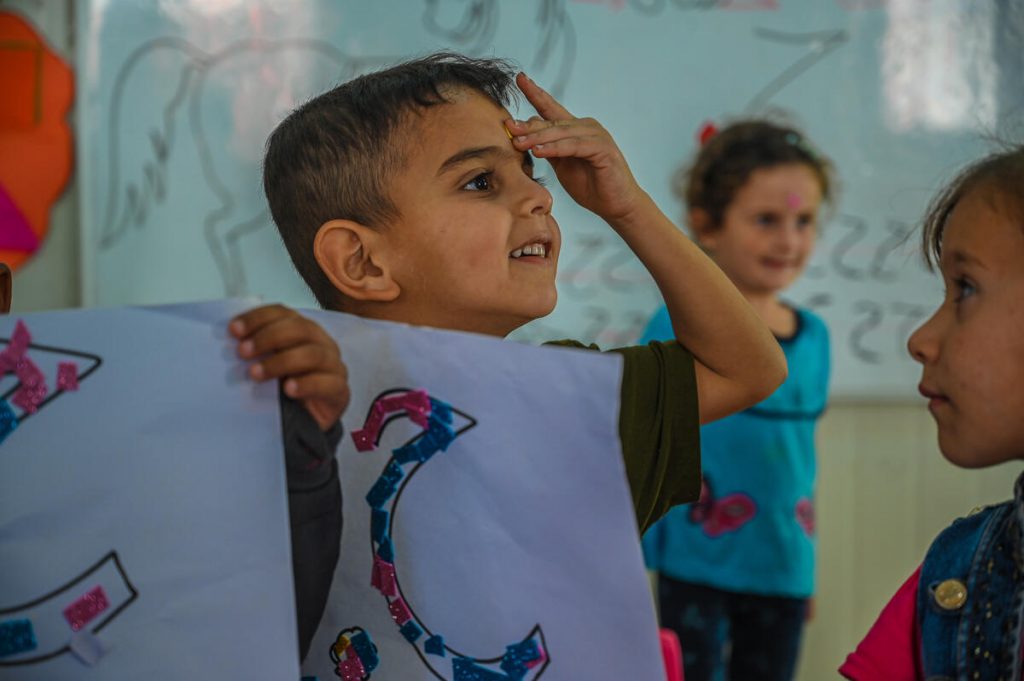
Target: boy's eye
<point>480,183</point>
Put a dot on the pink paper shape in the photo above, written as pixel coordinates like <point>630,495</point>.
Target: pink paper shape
<point>540,657</point>
<point>363,440</point>
<point>67,376</point>
<point>85,609</point>
<point>15,232</point>
<point>33,385</point>
<point>383,578</point>
<point>399,611</point>
<point>351,668</point>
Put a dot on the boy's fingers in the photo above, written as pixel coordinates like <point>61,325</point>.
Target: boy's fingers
<point>552,133</point>
<point>327,387</point>
<point>546,105</point>
<point>298,360</point>
<point>253,320</point>
<point>576,147</point>
<point>285,333</point>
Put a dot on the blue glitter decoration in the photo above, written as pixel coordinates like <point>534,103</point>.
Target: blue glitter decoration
<point>435,645</point>
<point>464,669</point>
<point>392,473</point>
<point>8,421</point>
<point>380,493</point>
<point>17,636</point>
<point>386,550</point>
<point>406,453</point>
<point>411,631</point>
<point>366,651</point>
<point>517,655</point>
<point>441,410</point>
<point>441,433</point>
<point>378,525</point>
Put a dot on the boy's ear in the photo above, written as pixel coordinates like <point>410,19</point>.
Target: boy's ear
<point>700,225</point>
<point>353,258</point>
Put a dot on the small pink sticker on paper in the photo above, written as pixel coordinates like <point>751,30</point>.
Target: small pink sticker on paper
<point>67,376</point>
<point>351,668</point>
<point>399,611</point>
<point>85,609</point>
<point>383,578</point>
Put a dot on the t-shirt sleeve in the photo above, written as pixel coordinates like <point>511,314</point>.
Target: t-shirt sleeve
<point>659,427</point>
<point>889,651</point>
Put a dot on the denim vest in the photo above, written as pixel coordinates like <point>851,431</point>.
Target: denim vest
<point>970,596</point>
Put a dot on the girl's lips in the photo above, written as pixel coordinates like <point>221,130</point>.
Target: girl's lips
<point>935,399</point>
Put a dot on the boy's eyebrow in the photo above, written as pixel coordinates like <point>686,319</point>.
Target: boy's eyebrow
<point>480,152</point>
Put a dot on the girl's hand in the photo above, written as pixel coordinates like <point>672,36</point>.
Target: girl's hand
<point>287,346</point>
<point>584,156</point>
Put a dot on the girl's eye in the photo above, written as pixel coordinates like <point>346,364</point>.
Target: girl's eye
<point>805,221</point>
<point>480,183</point>
<point>766,219</point>
<point>964,288</point>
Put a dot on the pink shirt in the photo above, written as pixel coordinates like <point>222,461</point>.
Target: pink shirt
<point>891,649</point>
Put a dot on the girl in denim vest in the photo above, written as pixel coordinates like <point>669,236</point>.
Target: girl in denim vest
<point>958,617</point>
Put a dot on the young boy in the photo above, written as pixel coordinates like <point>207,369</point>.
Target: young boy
<point>408,195</point>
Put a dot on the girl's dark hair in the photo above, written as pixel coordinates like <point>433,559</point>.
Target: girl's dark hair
<point>1001,173</point>
<point>335,156</point>
<point>729,157</point>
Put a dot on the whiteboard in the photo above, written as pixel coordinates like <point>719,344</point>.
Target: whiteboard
<point>176,99</point>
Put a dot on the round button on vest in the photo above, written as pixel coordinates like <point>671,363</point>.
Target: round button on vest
<point>950,594</point>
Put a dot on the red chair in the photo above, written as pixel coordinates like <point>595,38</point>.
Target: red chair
<point>672,653</point>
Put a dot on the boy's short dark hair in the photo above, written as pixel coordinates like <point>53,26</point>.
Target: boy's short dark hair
<point>331,158</point>
<point>1001,173</point>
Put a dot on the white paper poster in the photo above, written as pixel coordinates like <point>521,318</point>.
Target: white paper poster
<point>489,533</point>
<point>143,511</point>
<point>488,529</point>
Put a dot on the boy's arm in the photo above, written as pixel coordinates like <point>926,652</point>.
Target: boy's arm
<point>738,361</point>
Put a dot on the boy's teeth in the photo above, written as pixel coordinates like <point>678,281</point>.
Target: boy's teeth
<point>532,249</point>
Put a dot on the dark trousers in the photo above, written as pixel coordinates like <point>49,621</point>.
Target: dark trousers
<point>748,637</point>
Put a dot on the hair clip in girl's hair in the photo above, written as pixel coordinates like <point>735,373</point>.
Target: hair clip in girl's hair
<point>707,131</point>
<point>797,140</point>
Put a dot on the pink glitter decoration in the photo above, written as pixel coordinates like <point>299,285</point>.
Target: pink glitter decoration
<point>67,376</point>
<point>33,385</point>
<point>399,611</point>
<point>351,668</point>
<point>15,350</point>
<point>82,611</point>
<point>363,440</point>
<point>794,201</point>
<point>541,657</point>
<point>383,578</point>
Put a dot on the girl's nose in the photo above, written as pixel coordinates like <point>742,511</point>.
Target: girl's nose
<point>923,344</point>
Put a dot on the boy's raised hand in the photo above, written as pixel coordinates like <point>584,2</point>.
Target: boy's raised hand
<point>287,346</point>
<point>582,153</point>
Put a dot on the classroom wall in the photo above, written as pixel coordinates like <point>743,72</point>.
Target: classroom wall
<point>884,490</point>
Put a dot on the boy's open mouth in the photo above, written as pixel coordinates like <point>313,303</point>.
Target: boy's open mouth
<point>536,248</point>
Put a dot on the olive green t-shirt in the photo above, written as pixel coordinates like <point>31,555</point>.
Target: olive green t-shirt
<point>659,426</point>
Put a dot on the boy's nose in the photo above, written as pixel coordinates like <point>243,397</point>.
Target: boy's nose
<point>537,200</point>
